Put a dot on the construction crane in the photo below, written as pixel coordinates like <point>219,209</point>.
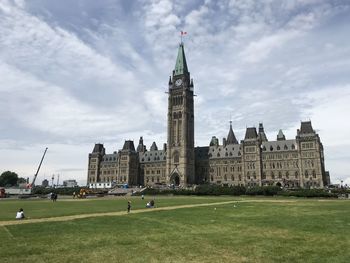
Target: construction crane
<point>37,171</point>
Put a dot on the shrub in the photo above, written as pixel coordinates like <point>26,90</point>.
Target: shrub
<point>308,193</point>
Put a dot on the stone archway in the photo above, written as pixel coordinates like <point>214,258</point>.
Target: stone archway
<point>175,179</point>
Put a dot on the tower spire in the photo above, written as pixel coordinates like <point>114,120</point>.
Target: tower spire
<point>181,64</point>
<point>231,138</point>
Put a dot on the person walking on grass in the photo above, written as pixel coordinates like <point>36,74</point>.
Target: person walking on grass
<point>129,206</point>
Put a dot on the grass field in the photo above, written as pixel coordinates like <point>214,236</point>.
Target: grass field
<point>248,230</point>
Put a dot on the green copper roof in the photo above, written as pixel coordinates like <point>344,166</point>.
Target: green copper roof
<point>181,65</point>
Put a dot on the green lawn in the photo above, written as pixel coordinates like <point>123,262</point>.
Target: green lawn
<point>249,231</point>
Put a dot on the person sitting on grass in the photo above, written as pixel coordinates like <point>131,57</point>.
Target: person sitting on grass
<point>150,204</point>
<point>20,214</point>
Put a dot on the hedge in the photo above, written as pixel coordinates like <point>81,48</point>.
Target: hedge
<point>211,189</point>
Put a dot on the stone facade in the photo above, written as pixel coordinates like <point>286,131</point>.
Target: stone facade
<point>254,161</point>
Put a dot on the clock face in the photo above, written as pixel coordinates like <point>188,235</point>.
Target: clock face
<point>178,82</point>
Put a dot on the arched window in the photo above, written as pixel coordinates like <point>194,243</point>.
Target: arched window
<point>176,157</point>
<point>306,174</point>
<point>293,146</point>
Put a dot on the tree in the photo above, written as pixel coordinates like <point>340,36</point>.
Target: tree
<point>21,180</point>
<point>8,178</point>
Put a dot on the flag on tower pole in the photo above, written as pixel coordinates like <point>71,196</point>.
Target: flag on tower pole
<point>182,34</point>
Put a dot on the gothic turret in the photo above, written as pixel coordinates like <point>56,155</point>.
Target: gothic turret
<point>262,135</point>
<point>251,134</point>
<point>129,146</point>
<point>231,138</point>
<point>306,128</point>
<point>280,136</point>
<point>140,147</point>
<point>154,147</point>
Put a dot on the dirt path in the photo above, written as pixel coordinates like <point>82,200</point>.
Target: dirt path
<point>120,213</point>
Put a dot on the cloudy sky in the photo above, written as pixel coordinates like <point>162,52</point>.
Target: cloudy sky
<point>77,72</point>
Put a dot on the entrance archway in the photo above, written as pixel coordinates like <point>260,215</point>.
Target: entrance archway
<point>175,179</point>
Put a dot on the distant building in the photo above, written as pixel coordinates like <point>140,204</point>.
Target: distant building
<point>45,183</point>
<point>254,161</point>
<point>70,183</point>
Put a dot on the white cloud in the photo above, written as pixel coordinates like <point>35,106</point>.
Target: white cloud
<point>259,50</point>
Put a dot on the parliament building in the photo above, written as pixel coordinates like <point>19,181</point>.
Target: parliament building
<point>254,161</point>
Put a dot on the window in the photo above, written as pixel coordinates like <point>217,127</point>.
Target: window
<point>176,157</point>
